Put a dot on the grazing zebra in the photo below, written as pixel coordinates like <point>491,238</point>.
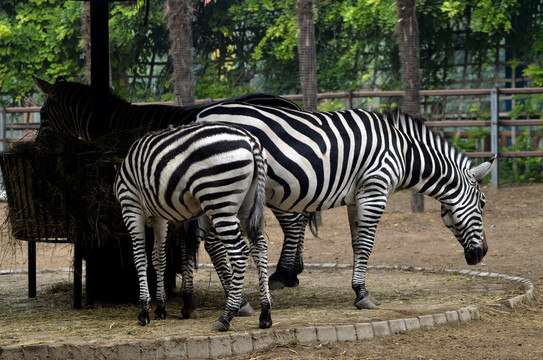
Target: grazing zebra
<point>67,110</point>
<point>183,173</point>
<point>318,161</point>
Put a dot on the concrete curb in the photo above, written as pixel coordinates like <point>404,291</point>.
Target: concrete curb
<point>211,347</point>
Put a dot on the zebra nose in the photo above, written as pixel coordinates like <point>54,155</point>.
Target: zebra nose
<point>474,254</point>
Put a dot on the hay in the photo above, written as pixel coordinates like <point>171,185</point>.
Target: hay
<point>61,189</point>
<point>323,298</point>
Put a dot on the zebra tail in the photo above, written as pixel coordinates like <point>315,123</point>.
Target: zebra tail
<point>256,216</point>
<point>313,224</point>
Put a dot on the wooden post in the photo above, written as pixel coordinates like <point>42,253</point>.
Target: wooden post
<point>494,134</point>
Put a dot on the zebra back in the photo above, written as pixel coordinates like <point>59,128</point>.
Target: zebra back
<point>68,110</point>
<point>163,163</point>
<point>326,152</point>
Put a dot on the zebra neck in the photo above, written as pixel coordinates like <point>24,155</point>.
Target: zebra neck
<point>435,173</point>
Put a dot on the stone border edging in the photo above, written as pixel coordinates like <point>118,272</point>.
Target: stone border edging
<point>208,347</point>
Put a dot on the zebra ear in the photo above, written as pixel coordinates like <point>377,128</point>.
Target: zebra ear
<point>480,171</point>
<point>43,85</point>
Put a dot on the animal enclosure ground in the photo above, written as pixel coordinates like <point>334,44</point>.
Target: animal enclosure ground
<point>514,228</point>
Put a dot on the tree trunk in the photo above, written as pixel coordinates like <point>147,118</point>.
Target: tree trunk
<point>180,14</point>
<point>307,53</point>
<point>85,33</point>
<point>408,32</point>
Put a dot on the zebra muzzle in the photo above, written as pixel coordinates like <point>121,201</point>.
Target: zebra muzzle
<point>475,253</point>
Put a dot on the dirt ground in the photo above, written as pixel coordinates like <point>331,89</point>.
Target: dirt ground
<point>514,228</point>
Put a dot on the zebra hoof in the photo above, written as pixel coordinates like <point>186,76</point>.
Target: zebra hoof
<point>160,312</point>
<point>279,280</point>
<point>245,309</point>
<point>367,302</point>
<point>374,301</point>
<point>265,320</point>
<point>143,317</point>
<point>221,325</point>
<point>275,285</point>
<point>189,308</point>
<point>191,313</point>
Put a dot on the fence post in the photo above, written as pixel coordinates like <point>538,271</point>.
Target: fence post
<point>3,121</point>
<point>348,100</point>
<point>494,134</point>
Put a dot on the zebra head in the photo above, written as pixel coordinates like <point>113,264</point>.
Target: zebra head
<point>464,216</point>
<point>66,108</point>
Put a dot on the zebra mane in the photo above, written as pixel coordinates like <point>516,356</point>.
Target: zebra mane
<point>415,126</point>
<point>84,91</point>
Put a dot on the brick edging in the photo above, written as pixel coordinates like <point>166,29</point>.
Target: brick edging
<point>232,344</point>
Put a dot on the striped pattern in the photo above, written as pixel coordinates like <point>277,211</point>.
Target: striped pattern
<point>67,110</point>
<point>183,173</point>
<point>318,161</point>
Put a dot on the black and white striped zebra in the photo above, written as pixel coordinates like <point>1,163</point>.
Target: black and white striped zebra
<point>68,110</point>
<point>318,161</point>
<point>178,174</point>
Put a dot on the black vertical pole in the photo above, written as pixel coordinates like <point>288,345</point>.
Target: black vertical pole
<point>31,269</point>
<point>100,95</point>
<point>99,60</point>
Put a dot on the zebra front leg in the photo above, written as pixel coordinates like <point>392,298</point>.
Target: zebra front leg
<point>290,262</point>
<point>160,227</point>
<point>217,252</point>
<point>259,250</point>
<point>363,220</point>
<point>238,253</point>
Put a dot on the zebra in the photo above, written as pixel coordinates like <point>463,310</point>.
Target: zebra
<point>322,160</point>
<point>67,110</point>
<point>182,173</point>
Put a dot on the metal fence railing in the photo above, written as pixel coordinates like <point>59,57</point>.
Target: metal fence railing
<point>17,124</point>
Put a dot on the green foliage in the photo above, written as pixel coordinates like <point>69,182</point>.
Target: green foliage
<point>478,112</point>
<point>138,50</point>
<point>535,71</point>
<point>522,170</point>
<point>331,105</point>
<point>470,141</point>
<point>527,106</point>
<point>37,37</point>
<point>486,16</point>
<point>243,46</point>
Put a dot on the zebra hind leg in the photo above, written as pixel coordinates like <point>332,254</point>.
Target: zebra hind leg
<point>195,232</point>
<point>238,253</point>
<point>217,252</point>
<point>259,250</point>
<point>291,260</point>
<point>160,227</point>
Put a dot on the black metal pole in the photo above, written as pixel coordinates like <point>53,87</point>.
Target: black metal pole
<point>99,60</point>
<point>31,269</point>
<point>100,96</point>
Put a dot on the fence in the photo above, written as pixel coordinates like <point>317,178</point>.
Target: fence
<point>13,128</point>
